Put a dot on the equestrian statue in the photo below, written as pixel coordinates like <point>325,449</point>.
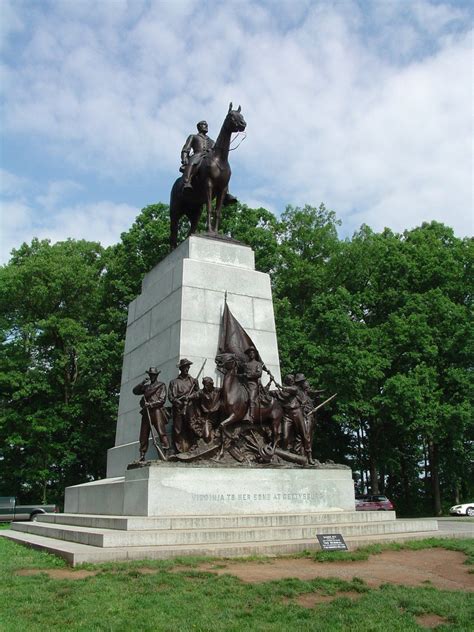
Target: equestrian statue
<point>206,175</point>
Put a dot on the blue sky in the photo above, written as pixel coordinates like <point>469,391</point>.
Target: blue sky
<point>365,106</point>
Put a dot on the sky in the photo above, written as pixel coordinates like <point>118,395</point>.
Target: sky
<point>363,105</point>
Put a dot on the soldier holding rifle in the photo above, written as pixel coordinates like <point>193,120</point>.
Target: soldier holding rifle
<point>152,411</point>
<point>179,391</point>
<point>305,395</point>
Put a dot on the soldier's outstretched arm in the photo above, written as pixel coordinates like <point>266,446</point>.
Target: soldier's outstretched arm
<point>264,368</point>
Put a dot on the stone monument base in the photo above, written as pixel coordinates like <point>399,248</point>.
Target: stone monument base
<point>163,489</point>
<point>162,510</point>
<point>79,538</point>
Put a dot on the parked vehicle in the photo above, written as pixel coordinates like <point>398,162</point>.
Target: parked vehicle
<point>10,511</point>
<point>467,509</point>
<point>373,502</point>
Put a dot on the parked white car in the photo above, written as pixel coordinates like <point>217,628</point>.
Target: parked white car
<point>463,510</point>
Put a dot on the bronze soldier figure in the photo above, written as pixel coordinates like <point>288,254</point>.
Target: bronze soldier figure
<point>287,396</point>
<point>307,405</point>
<point>152,411</point>
<point>206,413</point>
<point>252,371</point>
<point>200,144</point>
<point>179,391</point>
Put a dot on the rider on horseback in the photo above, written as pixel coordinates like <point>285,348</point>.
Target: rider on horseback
<point>201,145</point>
<point>252,372</point>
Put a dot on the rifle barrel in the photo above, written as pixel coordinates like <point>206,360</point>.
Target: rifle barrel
<point>326,401</point>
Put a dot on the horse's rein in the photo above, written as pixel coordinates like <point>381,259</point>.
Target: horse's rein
<point>233,140</point>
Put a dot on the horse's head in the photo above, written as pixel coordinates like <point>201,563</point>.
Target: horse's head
<point>225,361</point>
<point>235,120</point>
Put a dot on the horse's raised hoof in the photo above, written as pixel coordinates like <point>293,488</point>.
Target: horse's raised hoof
<point>230,199</point>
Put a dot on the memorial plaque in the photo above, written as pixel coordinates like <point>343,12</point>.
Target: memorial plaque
<point>332,542</point>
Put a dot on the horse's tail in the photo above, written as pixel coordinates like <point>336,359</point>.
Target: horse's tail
<point>175,211</point>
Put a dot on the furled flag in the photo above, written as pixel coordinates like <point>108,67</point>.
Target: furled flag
<point>233,337</point>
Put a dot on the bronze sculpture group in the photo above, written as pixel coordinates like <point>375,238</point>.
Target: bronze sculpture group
<point>242,420</point>
<point>209,422</point>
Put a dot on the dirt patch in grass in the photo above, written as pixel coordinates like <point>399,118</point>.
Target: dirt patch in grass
<point>433,567</point>
<point>436,567</point>
<point>309,600</point>
<point>430,620</point>
<point>57,573</point>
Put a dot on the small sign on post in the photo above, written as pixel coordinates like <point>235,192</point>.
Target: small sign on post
<point>332,542</point>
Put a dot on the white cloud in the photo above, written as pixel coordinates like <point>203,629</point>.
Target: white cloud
<point>10,23</point>
<point>11,184</point>
<point>363,106</point>
<point>23,216</point>
<point>100,221</point>
<point>57,191</point>
<point>15,219</point>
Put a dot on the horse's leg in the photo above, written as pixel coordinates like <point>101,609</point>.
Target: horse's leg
<point>276,428</point>
<point>209,205</point>
<point>193,221</point>
<point>230,419</point>
<point>219,202</point>
<point>174,221</point>
<point>224,434</point>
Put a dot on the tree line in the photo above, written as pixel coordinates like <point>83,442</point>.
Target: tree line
<point>383,319</point>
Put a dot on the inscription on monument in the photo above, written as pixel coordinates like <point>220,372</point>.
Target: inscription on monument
<point>245,497</point>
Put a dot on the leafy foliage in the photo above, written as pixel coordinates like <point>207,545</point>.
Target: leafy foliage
<point>383,319</point>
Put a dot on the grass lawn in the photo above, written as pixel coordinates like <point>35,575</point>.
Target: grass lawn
<point>176,596</point>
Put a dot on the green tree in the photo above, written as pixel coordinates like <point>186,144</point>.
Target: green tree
<point>58,366</point>
<point>383,319</point>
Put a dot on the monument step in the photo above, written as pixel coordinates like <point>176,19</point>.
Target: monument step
<point>107,538</point>
<point>134,523</point>
<point>75,553</point>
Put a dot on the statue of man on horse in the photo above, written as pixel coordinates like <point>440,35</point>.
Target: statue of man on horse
<point>195,149</point>
<point>206,176</point>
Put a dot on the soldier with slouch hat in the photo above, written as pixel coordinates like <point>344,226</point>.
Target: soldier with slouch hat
<point>179,391</point>
<point>153,414</point>
<point>305,395</point>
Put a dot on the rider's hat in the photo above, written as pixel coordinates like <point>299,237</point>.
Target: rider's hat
<point>300,377</point>
<point>184,362</point>
<point>201,123</point>
<point>153,371</point>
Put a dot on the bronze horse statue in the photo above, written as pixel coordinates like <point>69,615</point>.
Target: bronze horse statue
<point>235,400</point>
<point>210,182</point>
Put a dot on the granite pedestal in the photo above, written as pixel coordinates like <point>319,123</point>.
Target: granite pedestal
<point>178,314</point>
<point>162,489</point>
